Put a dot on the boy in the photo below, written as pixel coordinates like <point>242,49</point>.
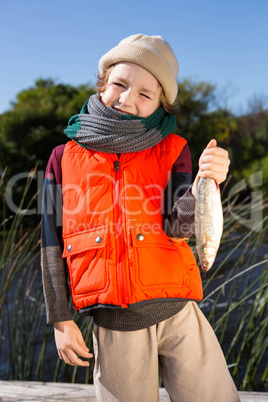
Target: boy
<point>139,284</point>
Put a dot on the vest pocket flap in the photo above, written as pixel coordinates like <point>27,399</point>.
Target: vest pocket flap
<point>79,242</point>
<point>145,238</point>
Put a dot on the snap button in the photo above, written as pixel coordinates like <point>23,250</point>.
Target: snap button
<point>140,237</point>
<point>98,239</point>
<point>69,248</point>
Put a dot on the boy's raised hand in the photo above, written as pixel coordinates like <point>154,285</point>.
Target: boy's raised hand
<point>214,163</point>
<point>70,343</point>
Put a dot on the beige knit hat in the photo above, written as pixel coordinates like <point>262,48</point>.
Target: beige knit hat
<point>150,52</point>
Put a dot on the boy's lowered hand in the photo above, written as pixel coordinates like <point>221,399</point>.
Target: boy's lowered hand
<point>70,343</point>
<point>214,163</point>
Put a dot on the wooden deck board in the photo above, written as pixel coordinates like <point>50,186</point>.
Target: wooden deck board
<point>37,391</point>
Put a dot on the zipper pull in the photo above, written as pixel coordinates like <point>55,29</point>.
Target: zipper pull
<point>116,166</point>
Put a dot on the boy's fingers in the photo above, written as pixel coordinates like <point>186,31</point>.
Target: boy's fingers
<point>82,343</point>
<point>211,144</point>
<point>70,344</point>
<point>214,156</point>
<point>214,174</point>
<point>82,352</point>
<point>71,358</point>
<point>215,151</point>
<point>70,355</point>
<point>60,355</point>
<point>219,160</point>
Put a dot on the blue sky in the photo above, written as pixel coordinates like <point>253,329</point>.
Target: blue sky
<point>222,42</point>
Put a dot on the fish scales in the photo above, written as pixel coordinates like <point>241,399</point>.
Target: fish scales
<point>208,221</point>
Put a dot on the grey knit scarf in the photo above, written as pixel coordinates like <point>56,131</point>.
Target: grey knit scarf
<point>104,129</point>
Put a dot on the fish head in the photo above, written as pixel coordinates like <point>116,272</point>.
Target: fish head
<point>207,257</point>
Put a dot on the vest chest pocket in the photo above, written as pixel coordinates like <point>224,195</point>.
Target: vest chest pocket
<point>157,261</point>
<point>86,256</point>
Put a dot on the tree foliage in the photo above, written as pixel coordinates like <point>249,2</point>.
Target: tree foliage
<point>250,145</point>
<point>245,137</point>
<point>199,121</point>
<point>35,125</point>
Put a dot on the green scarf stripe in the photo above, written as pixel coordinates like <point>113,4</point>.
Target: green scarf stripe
<point>160,120</point>
<point>168,125</point>
<point>74,125</point>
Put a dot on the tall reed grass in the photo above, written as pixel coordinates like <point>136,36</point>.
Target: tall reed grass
<point>235,302</point>
<point>21,302</point>
<point>235,296</point>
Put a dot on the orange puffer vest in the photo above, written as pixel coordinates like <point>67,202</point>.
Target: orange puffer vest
<point>116,250</point>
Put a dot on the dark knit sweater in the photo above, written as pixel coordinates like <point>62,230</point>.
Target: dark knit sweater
<point>54,268</point>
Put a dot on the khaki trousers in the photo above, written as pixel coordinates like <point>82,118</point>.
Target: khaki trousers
<point>184,348</point>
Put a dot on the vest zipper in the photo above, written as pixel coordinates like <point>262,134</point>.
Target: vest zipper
<point>116,166</point>
<point>119,235</point>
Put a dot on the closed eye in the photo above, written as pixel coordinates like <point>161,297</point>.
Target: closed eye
<point>145,96</point>
<point>119,84</point>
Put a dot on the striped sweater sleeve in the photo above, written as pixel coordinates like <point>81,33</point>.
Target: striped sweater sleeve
<point>182,205</point>
<point>54,268</point>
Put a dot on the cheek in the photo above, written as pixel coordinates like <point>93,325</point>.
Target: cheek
<point>111,93</point>
<point>106,96</point>
<point>146,110</point>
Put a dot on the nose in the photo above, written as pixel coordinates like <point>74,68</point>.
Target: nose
<point>126,98</point>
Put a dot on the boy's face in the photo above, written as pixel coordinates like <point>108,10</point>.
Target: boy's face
<point>133,90</point>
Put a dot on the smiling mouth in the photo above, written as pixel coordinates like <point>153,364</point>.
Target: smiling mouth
<point>122,111</point>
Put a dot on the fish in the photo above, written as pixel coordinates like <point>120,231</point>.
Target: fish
<point>208,221</point>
